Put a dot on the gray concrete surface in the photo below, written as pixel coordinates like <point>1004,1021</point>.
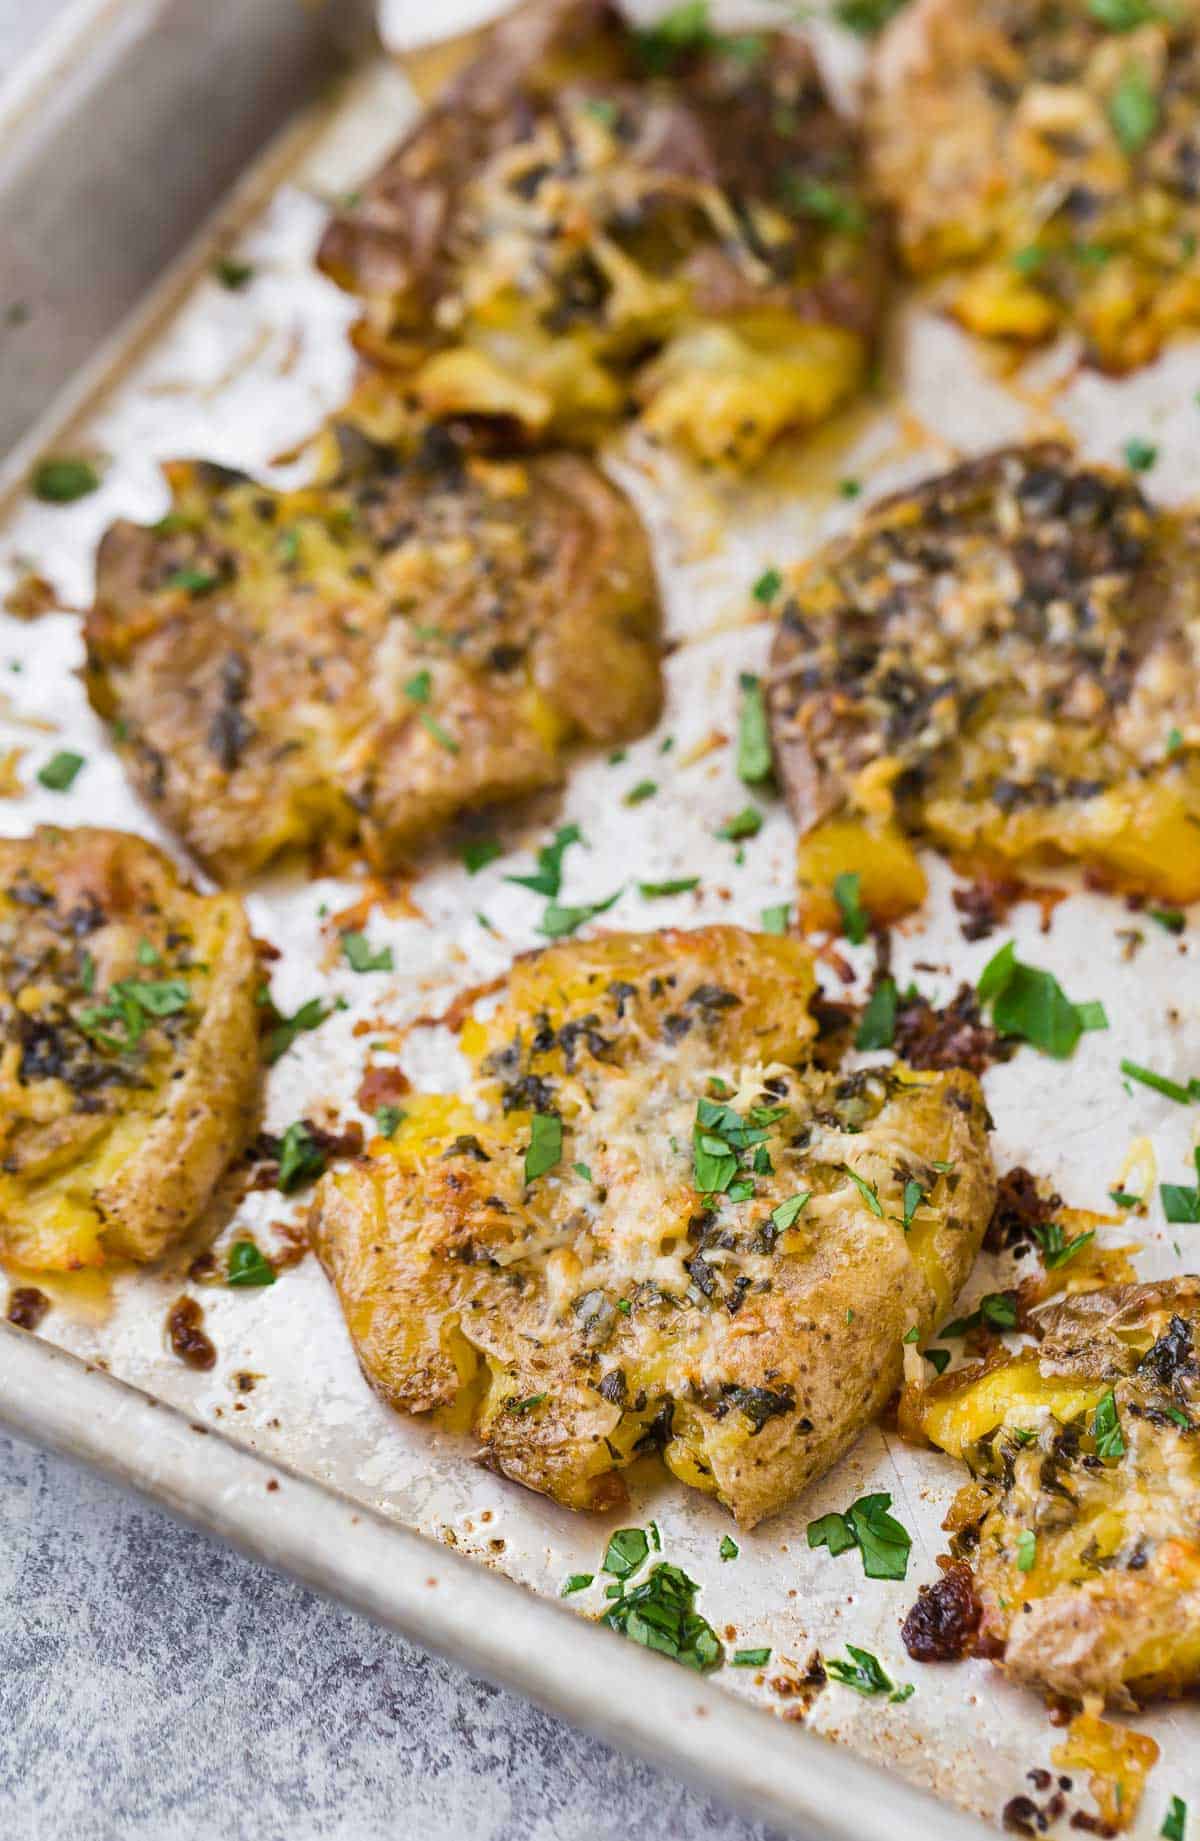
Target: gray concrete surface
<point>157,1687</point>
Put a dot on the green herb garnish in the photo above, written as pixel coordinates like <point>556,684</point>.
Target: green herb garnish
<point>1032,1005</point>
<point>301,1160</point>
<point>657,891</point>
<point>878,1026</point>
<point>59,773</point>
<point>847,894</point>
<point>866,1524</point>
<point>545,1145</point>
<point>754,738</point>
<point>247,1266</point>
<point>61,482</point>
<point>359,956</point>
<point>477,853</point>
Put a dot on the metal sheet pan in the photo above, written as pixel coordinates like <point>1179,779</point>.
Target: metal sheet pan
<point>372,1508</point>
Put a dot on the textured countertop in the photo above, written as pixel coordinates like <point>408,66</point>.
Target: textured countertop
<point>153,1683</point>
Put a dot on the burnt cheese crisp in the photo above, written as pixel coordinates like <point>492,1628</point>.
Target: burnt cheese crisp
<point>1082,1520</point>
<point>1001,663</point>
<point>595,220</point>
<point>644,1223</point>
<point>355,663</point>
<point>129,1065</point>
<point>1045,158</point>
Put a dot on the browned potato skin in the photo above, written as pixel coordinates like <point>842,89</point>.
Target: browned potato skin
<point>276,709</point>
<point>750,1392</point>
<point>138,1162</point>
<point>1123,1625</point>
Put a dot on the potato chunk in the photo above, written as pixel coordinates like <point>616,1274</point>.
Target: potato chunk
<point>129,1064</point>
<point>1042,158</point>
<point>1000,662</point>
<point>354,664</point>
<point>1082,1523</point>
<point>595,219</point>
<point>644,1224</point>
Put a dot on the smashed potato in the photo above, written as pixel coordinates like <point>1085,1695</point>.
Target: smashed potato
<point>1001,662</point>
<point>354,664</point>
<point>1082,1522</point>
<point>1044,158</point>
<point>596,218</point>
<point>129,1063</point>
<point>643,1224</point>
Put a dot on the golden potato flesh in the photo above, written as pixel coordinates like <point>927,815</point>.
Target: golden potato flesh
<point>1044,158</point>
<point>1002,663</point>
<point>595,218</point>
<point>356,663</point>
<point>1082,1523</point>
<point>644,1224</point>
<point>129,1064</point>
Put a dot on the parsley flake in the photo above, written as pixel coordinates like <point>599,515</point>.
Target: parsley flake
<point>59,773</point>
<point>847,894</point>
<point>754,738</point>
<point>247,1266</point>
<point>545,1145</point>
<point>356,950</point>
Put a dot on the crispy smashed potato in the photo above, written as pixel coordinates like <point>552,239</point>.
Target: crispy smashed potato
<point>129,1063</point>
<point>1001,663</point>
<point>1082,1522</point>
<point>1044,157</point>
<point>643,1223</point>
<point>355,663</point>
<point>595,218</point>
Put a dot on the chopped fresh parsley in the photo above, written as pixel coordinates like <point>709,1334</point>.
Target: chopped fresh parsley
<point>877,1028</point>
<point>864,1674</point>
<point>577,1582</point>
<point>720,1138</point>
<point>661,1614</point>
<point>478,852</point>
<point>548,878</point>
<point>1120,15</point>
<point>939,1359</point>
<point>583,1172</point>
<point>787,1213</point>
<point>746,823</point>
<point>62,481</point>
<point>625,1553</point>
<point>767,586</point>
<point>130,1005</point>
<point>866,17</point>
<point>1133,110</point>
<point>658,891</point>
<point>868,1191</point>
<point>750,1658</point>
<point>914,1195</point>
<point>685,28</point>
<point>59,773</point>
<point>301,1160</point>
<point>754,739</point>
<point>1056,1248</point>
<point>637,795</point>
<point>519,1408</point>
<point>1031,1005</point>
<point>356,950</point>
<point>545,1145</point>
<point>729,1548</point>
<point>441,736</point>
<point>232,274</point>
<point>1171,920</point>
<point>1026,1550</point>
<point>829,204</point>
<point>285,1029</point>
<point>389,1119</point>
<point>1170,1089</point>
<point>418,688</point>
<point>560,920</point>
<point>1181,1202</point>
<point>775,919</point>
<point>196,581</point>
<point>247,1266</point>
<point>847,894</point>
<point>1175,1821</point>
<point>1106,1429</point>
<point>1140,455</point>
<point>866,1524</point>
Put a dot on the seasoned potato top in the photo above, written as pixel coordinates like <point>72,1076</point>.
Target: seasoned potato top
<point>358,662</point>
<point>642,1224</point>
<point>1083,1521</point>
<point>1003,661</point>
<point>594,212</point>
<point>128,1047</point>
<point>1049,156</point>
